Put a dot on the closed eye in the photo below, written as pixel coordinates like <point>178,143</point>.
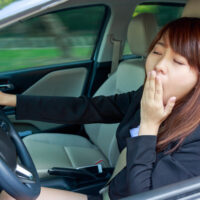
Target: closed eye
<point>178,62</point>
<point>157,53</point>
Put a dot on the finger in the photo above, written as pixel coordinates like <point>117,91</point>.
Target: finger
<point>151,91</point>
<point>147,80</point>
<point>146,86</point>
<point>170,105</point>
<point>158,90</point>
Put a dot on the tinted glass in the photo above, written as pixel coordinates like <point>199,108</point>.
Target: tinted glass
<point>61,37</point>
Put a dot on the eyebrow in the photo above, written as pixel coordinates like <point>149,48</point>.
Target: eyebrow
<point>161,43</point>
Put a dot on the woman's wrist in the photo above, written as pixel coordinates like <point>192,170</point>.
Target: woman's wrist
<point>8,99</point>
<point>148,129</point>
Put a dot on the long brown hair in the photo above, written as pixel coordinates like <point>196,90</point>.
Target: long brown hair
<point>184,39</point>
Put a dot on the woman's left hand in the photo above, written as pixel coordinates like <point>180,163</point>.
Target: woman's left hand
<point>153,111</point>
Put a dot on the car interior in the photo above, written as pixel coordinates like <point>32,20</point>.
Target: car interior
<point>79,151</point>
<point>82,158</point>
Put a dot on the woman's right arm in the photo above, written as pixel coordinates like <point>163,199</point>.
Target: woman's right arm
<point>71,110</point>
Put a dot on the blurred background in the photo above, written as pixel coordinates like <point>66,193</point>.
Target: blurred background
<point>67,36</point>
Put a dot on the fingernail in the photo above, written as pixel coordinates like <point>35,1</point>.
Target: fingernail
<point>173,99</point>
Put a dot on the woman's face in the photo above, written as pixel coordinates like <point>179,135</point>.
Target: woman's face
<point>177,76</point>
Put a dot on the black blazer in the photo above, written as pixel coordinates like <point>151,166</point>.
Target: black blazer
<point>145,168</point>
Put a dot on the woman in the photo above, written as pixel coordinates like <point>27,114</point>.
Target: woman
<point>166,147</point>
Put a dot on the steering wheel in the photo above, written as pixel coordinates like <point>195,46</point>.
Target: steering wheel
<point>18,177</point>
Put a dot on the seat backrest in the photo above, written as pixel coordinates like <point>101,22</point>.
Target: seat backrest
<point>129,76</point>
<point>191,9</point>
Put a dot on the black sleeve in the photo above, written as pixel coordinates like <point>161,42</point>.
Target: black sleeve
<point>74,110</point>
<point>144,173</point>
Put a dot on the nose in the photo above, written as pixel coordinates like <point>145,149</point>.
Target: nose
<point>161,65</point>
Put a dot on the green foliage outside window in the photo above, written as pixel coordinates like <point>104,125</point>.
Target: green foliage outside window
<point>57,38</point>
<point>4,3</point>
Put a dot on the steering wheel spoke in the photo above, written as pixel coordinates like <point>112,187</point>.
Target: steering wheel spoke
<point>24,175</point>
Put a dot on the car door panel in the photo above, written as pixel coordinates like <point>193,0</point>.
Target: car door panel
<point>67,82</point>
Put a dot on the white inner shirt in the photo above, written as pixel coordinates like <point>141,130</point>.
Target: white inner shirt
<point>135,131</point>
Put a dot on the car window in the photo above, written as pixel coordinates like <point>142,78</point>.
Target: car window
<point>56,38</point>
<point>164,13</point>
